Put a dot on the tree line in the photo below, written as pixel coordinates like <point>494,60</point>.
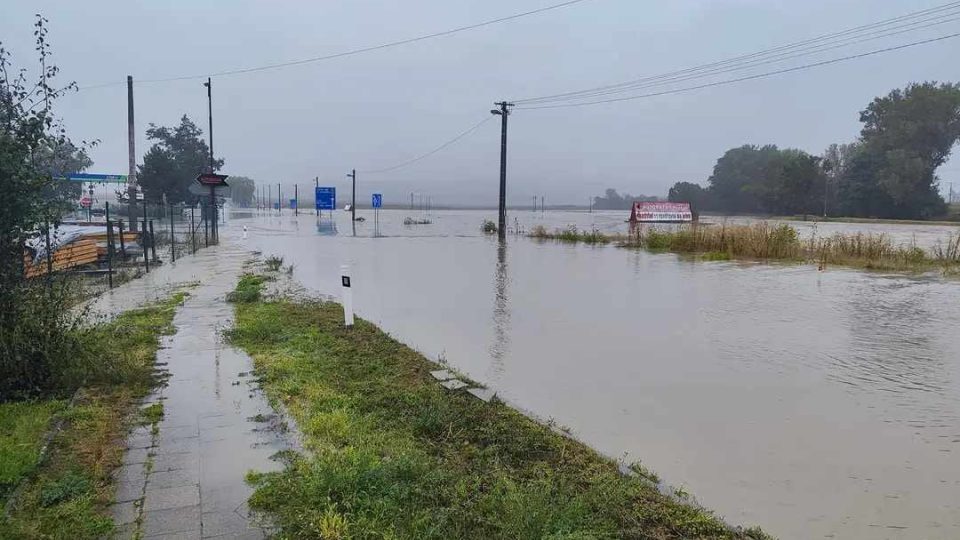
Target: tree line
<point>172,163</point>
<point>888,172</point>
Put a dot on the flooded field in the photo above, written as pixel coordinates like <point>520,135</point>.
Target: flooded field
<point>814,404</point>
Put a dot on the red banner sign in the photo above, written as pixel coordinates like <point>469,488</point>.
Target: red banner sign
<point>662,212</point>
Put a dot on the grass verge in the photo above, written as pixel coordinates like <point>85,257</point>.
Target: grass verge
<point>394,455</point>
<point>768,241</point>
<point>65,495</point>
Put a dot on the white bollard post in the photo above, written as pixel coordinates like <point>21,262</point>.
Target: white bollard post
<point>346,295</point>
<point>244,232</point>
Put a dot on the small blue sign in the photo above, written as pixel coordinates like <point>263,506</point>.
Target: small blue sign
<point>377,200</point>
<point>293,204</point>
<point>326,198</point>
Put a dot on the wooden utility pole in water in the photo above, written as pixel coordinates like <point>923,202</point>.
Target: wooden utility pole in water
<point>131,159</point>
<point>503,112</point>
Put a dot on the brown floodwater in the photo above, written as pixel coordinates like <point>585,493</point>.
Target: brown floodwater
<point>814,404</point>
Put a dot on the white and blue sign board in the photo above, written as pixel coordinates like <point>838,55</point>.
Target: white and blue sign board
<point>377,201</point>
<point>326,198</point>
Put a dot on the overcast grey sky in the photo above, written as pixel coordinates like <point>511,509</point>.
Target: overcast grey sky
<point>373,110</point>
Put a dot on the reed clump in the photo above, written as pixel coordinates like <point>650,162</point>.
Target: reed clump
<point>572,234</point>
<point>771,241</point>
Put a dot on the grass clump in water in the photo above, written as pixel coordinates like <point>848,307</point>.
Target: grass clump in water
<point>488,227</point>
<point>273,263</point>
<point>393,454</point>
<point>570,234</point>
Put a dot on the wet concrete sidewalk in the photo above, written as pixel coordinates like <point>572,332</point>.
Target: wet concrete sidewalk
<point>187,479</point>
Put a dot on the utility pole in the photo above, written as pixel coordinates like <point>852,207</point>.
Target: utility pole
<point>353,199</point>
<point>279,200</point>
<point>541,204</point>
<point>411,200</point>
<point>504,112</point>
<point>131,160</point>
<point>213,196</point>
<point>316,185</point>
<point>296,200</point>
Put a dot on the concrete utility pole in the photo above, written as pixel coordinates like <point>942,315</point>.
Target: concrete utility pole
<point>131,159</point>
<point>316,185</point>
<point>213,197</point>
<point>353,198</point>
<point>296,200</point>
<point>504,112</point>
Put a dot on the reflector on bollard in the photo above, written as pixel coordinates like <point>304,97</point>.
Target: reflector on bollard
<point>346,294</point>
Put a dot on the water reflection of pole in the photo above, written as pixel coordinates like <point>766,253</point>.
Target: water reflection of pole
<point>501,310</point>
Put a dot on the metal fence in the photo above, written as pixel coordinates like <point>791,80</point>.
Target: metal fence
<point>164,233</point>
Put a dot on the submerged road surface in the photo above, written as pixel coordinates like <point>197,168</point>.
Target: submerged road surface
<point>815,404</point>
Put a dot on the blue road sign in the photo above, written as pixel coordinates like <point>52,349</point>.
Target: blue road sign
<point>293,203</point>
<point>326,198</point>
<point>377,200</point>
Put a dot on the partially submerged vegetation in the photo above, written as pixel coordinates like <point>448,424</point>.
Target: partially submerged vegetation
<point>488,227</point>
<point>416,221</point>
<point>64,494</point>
<point>768,241</point>
<point>392,454</point>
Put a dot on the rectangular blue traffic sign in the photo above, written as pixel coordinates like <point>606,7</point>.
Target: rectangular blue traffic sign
<point>326,198</point>
<point>377,200</point>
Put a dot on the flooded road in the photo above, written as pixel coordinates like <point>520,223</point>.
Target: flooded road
<point>815,404</point>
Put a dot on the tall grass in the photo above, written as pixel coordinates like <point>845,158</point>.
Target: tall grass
<point>769,241</point>
<point>571,234</point>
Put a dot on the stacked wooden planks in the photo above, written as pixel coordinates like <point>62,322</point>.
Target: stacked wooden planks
<point>101,239</point>
<point>80,252</point>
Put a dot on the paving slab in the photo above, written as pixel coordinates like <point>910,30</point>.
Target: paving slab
<point>173,520</point>
<point>171,497</point>
<point>442,375</point>
<point>483,394</point>
<point>453,384</point>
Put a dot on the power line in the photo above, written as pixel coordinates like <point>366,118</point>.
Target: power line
<point>432,152</point>
<point>350,52</point>
<point>654,82</point>
<point>747,78</point>
<point>819,41</point>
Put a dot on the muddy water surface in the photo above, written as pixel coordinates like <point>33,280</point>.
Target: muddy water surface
<point>815,404</point>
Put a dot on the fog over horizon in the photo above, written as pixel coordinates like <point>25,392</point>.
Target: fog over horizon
<point>375,110</point>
